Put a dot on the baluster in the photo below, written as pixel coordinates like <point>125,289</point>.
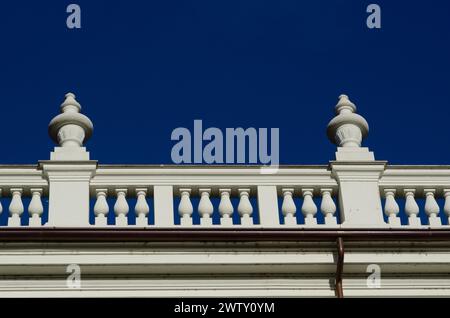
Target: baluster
<point>309,208</point>
<point>1,206</point>
<point>185,208</point>
<point>288,207</point>
<point>141,208</point>
<point>35,208</point>
<point>121,207</point>
<point>432,208</point>
<point>101,208</point>
<point>245,208</point>
<point>15,207</point>
<point>205,207</point>
<point>447,204</point>
<point>391,208</point>
<point>328,207</point>
<point>411,208</point>
<point>225,208</point>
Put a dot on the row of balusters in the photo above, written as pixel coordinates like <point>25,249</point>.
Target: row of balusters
<point>245,208</point>
<point>412,210</point>
<point>309,208</point>
<point>226,210</point>
<point>206,208</point>
<point>121,207</point>
<point>185,207</point>
<point>16,207</point>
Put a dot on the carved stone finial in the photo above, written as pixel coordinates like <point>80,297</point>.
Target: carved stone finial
<point>347,129</point>
<point>70,128</point>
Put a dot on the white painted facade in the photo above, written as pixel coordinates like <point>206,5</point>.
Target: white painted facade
<point>253,246</point>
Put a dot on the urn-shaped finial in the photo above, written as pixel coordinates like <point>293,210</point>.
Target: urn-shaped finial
<point>347,129</point>
<point>70,128</point>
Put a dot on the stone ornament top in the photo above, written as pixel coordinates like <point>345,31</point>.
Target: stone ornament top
<point>347,129</point>
<point>70,130</point>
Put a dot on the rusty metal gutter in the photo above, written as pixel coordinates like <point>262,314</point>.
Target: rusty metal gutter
<point>213,235</point>
<point>339,268</point>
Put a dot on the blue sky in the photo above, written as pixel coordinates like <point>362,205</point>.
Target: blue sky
<point>143,68</point>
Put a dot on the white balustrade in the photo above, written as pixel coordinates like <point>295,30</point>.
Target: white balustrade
<point>309,209</point>
<point>17,210</point>
<point>121,207</point>
<point>420,202</point>
<point>412,209</point>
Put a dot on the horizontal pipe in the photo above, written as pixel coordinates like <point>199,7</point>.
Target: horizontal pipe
<point>217,235</point>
